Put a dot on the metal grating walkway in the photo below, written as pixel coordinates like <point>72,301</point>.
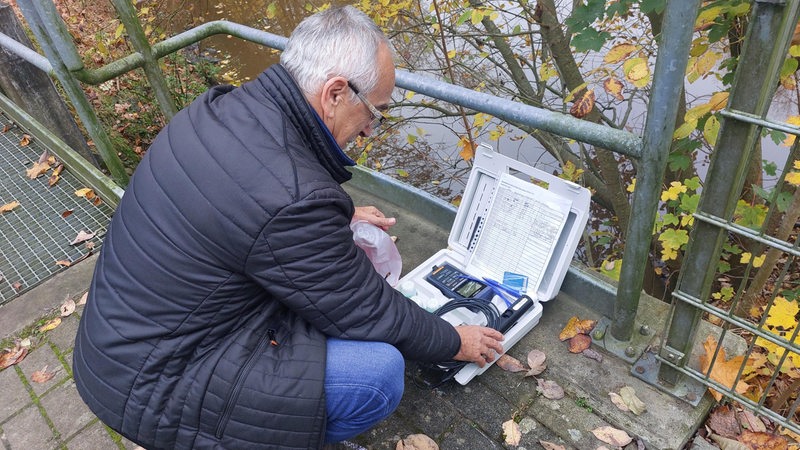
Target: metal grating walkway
<point>35,235</point>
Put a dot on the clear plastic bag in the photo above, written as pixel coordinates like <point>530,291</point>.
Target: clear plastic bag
<point>380,249</point>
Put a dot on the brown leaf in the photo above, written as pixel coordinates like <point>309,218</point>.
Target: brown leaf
<point>763,441</point>
<point>67,213</point>
<point>551,446</point>
<point>50,325</point>
<point>724,371</point>
<point>13,356</point>
<point>7,127</point>
<point>750,422</point>
<point>536,360</point>
<point>612,436</point>
<point>97,201</point>
<point>592,354</point>
<point>417,442</point>
<point>82,300</point>
<point>614,87</point>
<point>68,307</point>
<point>576,326</point>
<point>42,376</point>
<point>25,141</point>
<point>37,169</point>
<point>584,104</point>
<point>579,343</point>
<point>17,286</point>
<point>510,364</point>
<point>9,206</point>
<point>632,401</point>
<point>53,180</point>
<point>618,401</point>
<point>727,443</point>
<point>83,192</point>
<point>722,421</point>
<point>63,263</point>
<point>82,236</point>
<point>550,389</point>
<point>511,432</point>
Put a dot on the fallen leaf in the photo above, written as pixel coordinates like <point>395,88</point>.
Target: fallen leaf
<point>728,444</point>
<point>576,326</point>
<point>42,376</point>
<point>617,400</point>
<point>66,213</point>
<point>722,421</point>
<point>63,263</point>
<point>82,300</point>
<point>417,442</point>
<point>25,141</point>
<point>56,175</point>
<point>17,286</point>
<point>7,127</point>
<point>632,401</point>
<point>82,236</point>
<point>510,364</point>
<point>13,356</point>
<point>9,206</point>
<point>612,436</point>
<point>592,354</point>
<point>763,441</point>
<point>750,422</point>
<point>551,446</point>
<point>550,389</point>
<point>724,371</point>
<point>536,362</point>
<point>97,201</point>
<point>25,343</point>
<point>579,343</point>
<point>37,169</point>
<point>584,105</point>
<point>511,432</point>
<point>68,307</point>
<point>50,324</point>
<point>84,192</point>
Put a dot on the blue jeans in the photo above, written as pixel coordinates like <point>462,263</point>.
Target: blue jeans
<point>363,385</point>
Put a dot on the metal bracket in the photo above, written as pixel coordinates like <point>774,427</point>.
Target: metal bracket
<point>628,351</point>
<point>672,355</point>
<point>688,389</point>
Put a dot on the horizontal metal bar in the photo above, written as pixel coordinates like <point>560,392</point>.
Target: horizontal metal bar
<point>747,232</point>
<point>697,303</point>
<point>755,120</point>
<point>729,392</point>
<point>25,53</point>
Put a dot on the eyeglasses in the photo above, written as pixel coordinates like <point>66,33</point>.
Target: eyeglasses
<point>378,117</point>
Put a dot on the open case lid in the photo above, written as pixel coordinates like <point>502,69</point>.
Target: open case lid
<point>543,258</point>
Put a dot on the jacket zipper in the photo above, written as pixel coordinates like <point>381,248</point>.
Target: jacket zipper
<point>269,337</point>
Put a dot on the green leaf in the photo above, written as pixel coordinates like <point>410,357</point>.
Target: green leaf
<point>679,162</point>
<point>589,39</point>
<point>402,173</point>
<point>589,12</point>
<point>689,203</point>
<point>723,267</point>
<point>783,200</point>
<point>692,183</point>
<point>789,67</point>
<point>770,168</point>
<point>777,136</point>
<point>656,6</point>
<point>517,29</point>
<point>670,219</point>
<point>464,17</point>
<point>761,192</point>
<point>719,31</point>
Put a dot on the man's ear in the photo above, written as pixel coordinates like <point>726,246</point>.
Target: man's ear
<point>332,94</point>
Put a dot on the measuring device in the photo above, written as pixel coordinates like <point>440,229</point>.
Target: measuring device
<point>454,283</point>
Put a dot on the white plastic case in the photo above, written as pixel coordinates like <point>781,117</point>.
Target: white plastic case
<point>531,227</point>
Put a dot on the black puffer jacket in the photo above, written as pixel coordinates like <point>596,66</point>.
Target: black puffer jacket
<point>229,260</point>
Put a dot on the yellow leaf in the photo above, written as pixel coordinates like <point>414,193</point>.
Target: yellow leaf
<point>410,95</point>
<point>572,93</point>
<point>707,17</point>
<point>119,30</point>
<point>576,326</point>
<point>49,325</point>
<point>467,150</point>
<point>796,164</point>
<point>697,112</point>
<point>792,120</point>
<point>614,87</point>
<point>745,257</point>
<point>38,169</point>
<point>711,130</point>
<point>547,71</point>
<point>9,206</point>
<point>793,178</point>
<point>84,192</point>
<point>758,261</point>
<point>718,100</point>
<point>724,370</point>
<point>637,71</point>
<point>479,120</point>
<point>782,314</point>
<point>632,186</point>
<point>684,130</point>
<point>477,16</point>
<point>706,62</point>
<point>451,54</point>
<point>676,188</point>
<point>619,52</point>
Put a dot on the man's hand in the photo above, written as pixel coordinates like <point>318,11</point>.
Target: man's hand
<point>479,344</point>
<point>374,216</point>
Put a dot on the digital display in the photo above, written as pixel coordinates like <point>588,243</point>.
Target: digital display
<point>469,288</point>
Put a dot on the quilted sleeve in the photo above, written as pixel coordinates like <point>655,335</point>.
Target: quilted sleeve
<point>305,257</point>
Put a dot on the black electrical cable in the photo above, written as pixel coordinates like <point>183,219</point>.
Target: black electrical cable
<point>448,369</point>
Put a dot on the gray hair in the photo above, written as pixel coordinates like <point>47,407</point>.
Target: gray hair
<point>340,41</point>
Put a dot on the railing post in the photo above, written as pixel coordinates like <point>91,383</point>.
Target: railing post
<point>766,45</point>
<point>127,14</point>
<point>673,57</point>
<point>72,88</point>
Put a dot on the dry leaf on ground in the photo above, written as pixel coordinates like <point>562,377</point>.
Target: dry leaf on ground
<point>12,356</point>
<point>42,376</point>
<point>763,441</point>
<point>536,360</point>
<point>17,285</point>
<point>511,432</point>
<point>727,443</point>
<point>25,141</point>
<point>750,422</point>
<point>632,401</point>
<point>722,421</point>
<point>37,169</point>
<point>617,400</point>
<point>9,206</point>
<point>579,343</point>
<point>612,436</point>
<point>576,326</point>
<point>417,442</point>
<point>510,364</point>
<point>550,389</point>
<point>82,300</point>
<point>63,263</point>
<point>68,307</point>
<point>592,354</point>
<point>82,236</point>
<point>50,324</point>
<point>724,371</point>
<point>551,446</point>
